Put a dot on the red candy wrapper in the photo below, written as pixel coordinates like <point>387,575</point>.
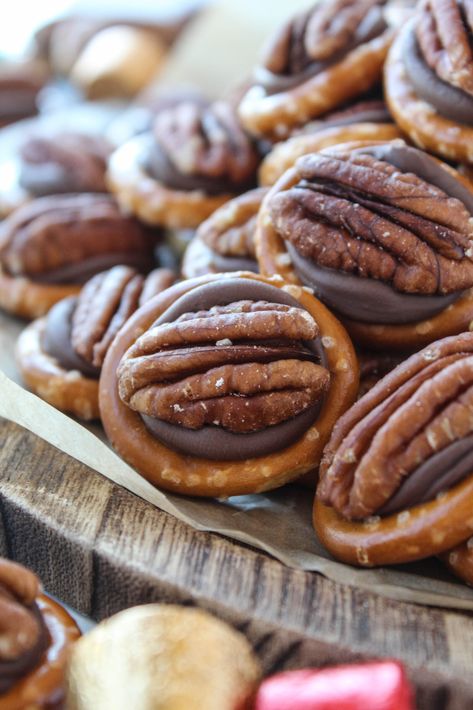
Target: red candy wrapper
<point>368,686</point>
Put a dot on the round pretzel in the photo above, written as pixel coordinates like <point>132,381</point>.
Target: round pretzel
<point>202,477</point>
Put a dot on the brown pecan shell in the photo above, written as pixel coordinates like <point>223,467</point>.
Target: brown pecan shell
<point>106,302</point>
<point>243,366</point>
<point>444,32</point>
<point>53,232</point>
<point>419,409</point>
<point>230,230</point>
<point>357,214</point>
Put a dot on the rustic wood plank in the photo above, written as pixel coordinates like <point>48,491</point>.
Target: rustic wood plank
<point>102,549</point>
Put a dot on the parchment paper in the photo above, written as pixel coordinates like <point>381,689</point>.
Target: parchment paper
<point>278,523</point>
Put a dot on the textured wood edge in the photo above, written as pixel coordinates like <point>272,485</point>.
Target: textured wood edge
<point>101,549</point>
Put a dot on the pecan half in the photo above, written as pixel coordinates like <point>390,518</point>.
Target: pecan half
<point>230,230</point>
<point>414,413</point>
<point>66,162</point>
<point>106,302</point>
<point>357,214</point>
<point>325,31</point>
<point>58,233</point>
<point>206,141</point>
<point>19,628</point>
<point>444,32</point>
<point>243,367</point>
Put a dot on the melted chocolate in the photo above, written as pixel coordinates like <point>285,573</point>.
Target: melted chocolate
<point>56,339</point>
<point>370,300</point>
<point>13,671</point>
<point>161,168</point>
<point>372,26</point>
<point>81,271</point>
<point>439,473</point>
<point>365,300</point>
<point>214,442</point>
<point>449,101</point>
<point>225,264</point>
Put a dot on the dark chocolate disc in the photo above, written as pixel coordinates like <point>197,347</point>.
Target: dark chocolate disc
<point>449,101</point>
<point>56,339</point>
<point>365,300</point>
<point>437,474</point>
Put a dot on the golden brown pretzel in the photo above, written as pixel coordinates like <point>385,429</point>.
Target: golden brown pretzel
<point>70,392</point>
<point>275,115</point>
<point>42,688</point>
<point>424,126</point>
<point>200,476</point>
<point>413,534</point>
<point>459,560</point>
<point>150,200</point>
<point>28,299</point>
<point>274,259</point>
<point>284,155</point>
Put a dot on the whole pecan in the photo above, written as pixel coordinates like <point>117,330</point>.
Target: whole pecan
<point>20,629</point>
<point>106,302</point>
<point>202,146</point>
<point>324,32</point>
<point>66,238</point>
<point>66,162</point>
<point>243,366</point>
<point>230,230</point>
<point>444,32</point>
<point>419,412</point>
<point>358,213</point>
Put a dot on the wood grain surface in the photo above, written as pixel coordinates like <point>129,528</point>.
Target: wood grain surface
<point>101,549</point>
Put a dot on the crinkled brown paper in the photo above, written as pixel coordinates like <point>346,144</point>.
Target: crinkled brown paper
<point>279,522</point>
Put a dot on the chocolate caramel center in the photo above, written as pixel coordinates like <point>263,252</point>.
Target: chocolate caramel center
<point>56,339</point>
<point>437,475</point>
<point>449,101</point>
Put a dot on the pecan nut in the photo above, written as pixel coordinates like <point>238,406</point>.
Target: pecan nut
<point>362,215</point>
<point>443,31</point>
<point>408,439</point>
<point>66,162</point>
<point>243,367</point>
<point>106,302</point>
<point>322,34</point>
<point>19,627</point>
<point>67,238</point>
<point>202,147</point>
<point>230,230</point>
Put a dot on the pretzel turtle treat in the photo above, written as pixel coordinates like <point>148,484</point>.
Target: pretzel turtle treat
<point>60,356</point>
<point>196,158</point>
<point>64,163</point>
<point>225,241</point>
<point>226,384</point>
<point>317,62</point>
<point>429,78</point>
<point>35,636</point>
<point>52,245</point>
<point>382,233</point>
<point>396,479</point>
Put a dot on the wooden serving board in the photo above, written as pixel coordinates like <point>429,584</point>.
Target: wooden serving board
<point>101,549</point>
